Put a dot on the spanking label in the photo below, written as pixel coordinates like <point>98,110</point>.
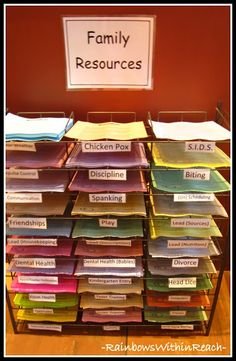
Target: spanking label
<point>197,174</point>
<point>107,223</point>
<point>190,222</point>
<point>24,198</point>
<point>104,147</point>
<point>108,174</point>
<point>200,147</point>
<point>34,223</point>
<point>22,173</point>
<point>107,198</point>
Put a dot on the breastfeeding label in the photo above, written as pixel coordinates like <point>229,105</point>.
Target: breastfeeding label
<point>24,198</point>
<point>190,222</point>
<point>185,262</point>
<point>22,173</point>
<point>180,282</point>
<point>109,223</point>
<point>21,146</point>
<point>47,280</point>
<point>178,298</point>
<point>200,147</point>
<point>107,198</point>
<point>108,174</point>
<point>43,326</point>
<point>43,311</point>
<point>110,297</point>
<point>177,327</point>
<point>47,242</point>
<point>110,262</point>
<point>109,281</point>
<point>197,174</point>
<point>111,312</point>
<point>104,147</point>
<point>33,223</point>
<point>178,313</point>
<point>194,197</point>
<point>181,243</point>
<point>35,262</point>
<point>101,242</point>
<point>42,297</point>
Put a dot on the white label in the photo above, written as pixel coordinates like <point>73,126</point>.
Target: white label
<point>187,282</point>
<point>197,174</point>
<point>21,146</point>
<point>109,223</point>
<point>22,173</point>
<point>110,262</point>
<point>110,297</point>
<point>101,242</point>
<point>42,326</point>
<point>185,262</point>
<point>112,52</point>
<point>107,198</point>
<point>111,312</point>
<point>190,222</point>
<point>42,297</point>
<point>103,147</point>
<point>47,242</point>
<point>111,328</point>
<point>43,311</point>
<point>108,174</point>
<point>33,223</point>
<point>194,197</point>
<point>24,198</point>
<point>35,262</point>
<point>177,327</point>
<point>110,281</point>
<point>181,243</point>
<point>48,280</point>
<point>177,298</point>
<point>200,147</point>
<point>178,313</point>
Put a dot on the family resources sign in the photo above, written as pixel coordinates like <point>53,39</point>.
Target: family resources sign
<point>109,52</point>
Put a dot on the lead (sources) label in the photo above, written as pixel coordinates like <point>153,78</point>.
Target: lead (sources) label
<point>42,326</point>
<point>200,147</point>
<point>48,280</point>
<point>190,222</point>
<point>194,197</point>
<point>42,297</point>
<point>181,243</point>
<point>182,282</point>
<point>101,242</point>
<point>24,198</point>
<point>110,262</point>
<point>197,174</point>
<point>104,147</point>
<point>34,223</point>
<point>184,262</point>
<point>109,223</point>
<point>110,281</point>
<point>35,262</point>
<point>108,174</point>
<point>107,198</point>
<point>21,146</point>
<point>47,242</point>
<point>22,173</point>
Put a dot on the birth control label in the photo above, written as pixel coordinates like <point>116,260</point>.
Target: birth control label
<point>22,173</point>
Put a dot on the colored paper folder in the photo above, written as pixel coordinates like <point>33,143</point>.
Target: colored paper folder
<point>136,286</point>
<point>89,301</point>
<point>112,315</point>
<point>62,300</point>
<point>56,316</point>
<point>191,315</point>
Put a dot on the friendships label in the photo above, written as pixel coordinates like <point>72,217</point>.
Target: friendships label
<point>34,223</point>
<point>104,147</point>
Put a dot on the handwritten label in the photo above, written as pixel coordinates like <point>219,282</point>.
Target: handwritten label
<point>33,223</point>
<point>109,223</point>
<point>185,262</point>
<point>21,146</point>
<point>108,174</point>
<point>178,313</point>
<point>107,198</point>
<point>42,297</point>
<point>110,262</point>
<point>177,298</point>
<point>24,198</point>
<point>200,147</point>
<point>22,173</point>
<point>111,328</point>
<point>46,242</point>
<point>43,311</point>
<point>197,174</point>
<point>104,147</point>
<point>179,282</point>
<point>47,280</point>
<point>43,326</point>
<point>194,197</point>
<point>177,327</point>
<point>110,281</point>
<point>190,222</point>
<point>35,262</point>
<point>117,242</point>
<point>110,312</point>
<point>110,297</point>
<point>181,243</point>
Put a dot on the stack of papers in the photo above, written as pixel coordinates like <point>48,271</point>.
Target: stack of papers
<point>62,300</point>
<point>116,248</point>
<point>134,206</point>
<point>135,158</point>
<point>47,181</point>
<point>164,316</point>
<point>33,129</point>
<point>171,180</point>
<point>125,228</point>
<point>111,315</point>
<point>208,130</point>
<point>177,299</point>
<point>135,183</point>
<point>174,155</point>
<point>63,267</point>
<point>136,286</point>
<point>64,285</point>
<point>46,155</point>
<point>56,316</point>
<point>107,130</point>
<point>164,205</point>
<point>90,301</point>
